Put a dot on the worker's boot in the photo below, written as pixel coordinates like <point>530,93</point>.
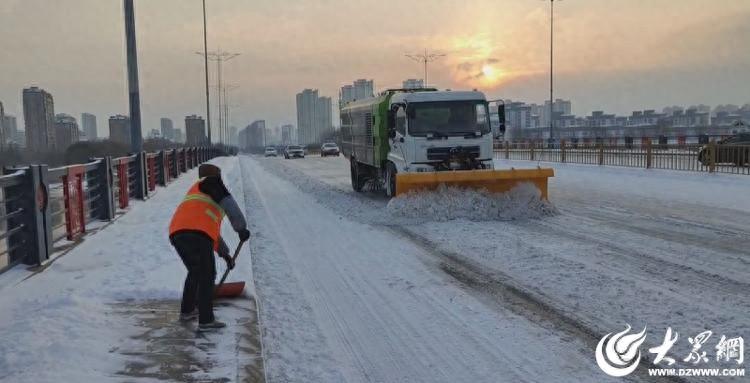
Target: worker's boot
<point>211,326</point>
<point>187,317</point>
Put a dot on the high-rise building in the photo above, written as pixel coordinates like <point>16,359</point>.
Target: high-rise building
<point>178,136</point>
<point>66,131</point>
<point>286,134</point>
<point>256,135</point>
<point>359,90</point>
<point>154,133</point>
<point>518,116</point>
<point>39,119</point>
<point>324,116</point>
<point>195,130</point>
<point>363,89</point>
<point>167,129</point>
<point>413,83</point>
<point>88,123</point>
<point>11,129</point>
<point>560,108</point>
<point>20,139</point>
<point>346,94</point>
<point>314,117</point>
<point>119,129</point>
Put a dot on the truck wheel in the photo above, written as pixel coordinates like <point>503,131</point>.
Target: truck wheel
<point>390,180</point>
<point>356,175</point>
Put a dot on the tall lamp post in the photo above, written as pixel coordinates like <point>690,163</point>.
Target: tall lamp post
<point>219,56</point>
<point>551,42</point>
<point>136,140</point>
<point>424,59</point>
<point>205,68</point>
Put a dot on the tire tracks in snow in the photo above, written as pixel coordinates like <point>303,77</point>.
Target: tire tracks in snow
<point>493,287</point>
<point>503,291</point>
<point>657,267</point>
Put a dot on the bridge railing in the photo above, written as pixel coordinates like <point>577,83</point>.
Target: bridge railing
<point>711,157</point>
<point>43,210</point>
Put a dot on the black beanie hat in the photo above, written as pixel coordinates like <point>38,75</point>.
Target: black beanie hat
<point>208,170</point>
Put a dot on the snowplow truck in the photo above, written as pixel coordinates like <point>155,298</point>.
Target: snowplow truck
<point>417,139</point>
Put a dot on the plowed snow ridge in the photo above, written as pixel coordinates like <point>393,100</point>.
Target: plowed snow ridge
<point>448,203</point>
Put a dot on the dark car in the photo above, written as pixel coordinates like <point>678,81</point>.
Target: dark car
<point>732,150</point>
<point>329,149</point>
<point>294,151</point>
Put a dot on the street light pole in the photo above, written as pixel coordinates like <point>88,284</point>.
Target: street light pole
<point>136,140</point>
<point>205,68</point>
<point>424,59</point>
<point>219,56</point>
<point>551,99</point>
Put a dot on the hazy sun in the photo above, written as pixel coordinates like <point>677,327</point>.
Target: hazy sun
<point>488,71</point>
<point>490,75</point>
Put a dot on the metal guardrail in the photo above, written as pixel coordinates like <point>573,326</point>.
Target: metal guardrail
<point>42,207</point>
<point>10,209</point>
<point>711,157</point>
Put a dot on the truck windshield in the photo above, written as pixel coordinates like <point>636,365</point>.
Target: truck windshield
<point>448,118</point>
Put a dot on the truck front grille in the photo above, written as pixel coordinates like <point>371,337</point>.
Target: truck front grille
<point>444,153</point>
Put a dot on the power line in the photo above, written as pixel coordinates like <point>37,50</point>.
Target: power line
<point>425,58</point>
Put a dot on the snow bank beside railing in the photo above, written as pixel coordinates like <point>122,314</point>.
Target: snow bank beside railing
<point>448,203</point>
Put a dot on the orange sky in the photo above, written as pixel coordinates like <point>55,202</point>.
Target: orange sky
<point>612,55</point>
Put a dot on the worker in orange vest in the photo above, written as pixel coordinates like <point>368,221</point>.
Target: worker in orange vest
<point>195,233</point>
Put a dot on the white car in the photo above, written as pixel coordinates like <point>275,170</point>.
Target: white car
<point>294,151</point>
<point>270,152</point>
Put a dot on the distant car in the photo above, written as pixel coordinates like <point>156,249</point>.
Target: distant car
<point>270,152</point>
<point>732,150</point>
<point>329,149</point>
<point>294,151</point>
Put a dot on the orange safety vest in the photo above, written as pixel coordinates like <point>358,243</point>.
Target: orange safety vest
<point>198,212</point>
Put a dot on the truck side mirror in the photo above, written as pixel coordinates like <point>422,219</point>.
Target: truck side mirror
<point>501,118</point>
<point>391,119</point>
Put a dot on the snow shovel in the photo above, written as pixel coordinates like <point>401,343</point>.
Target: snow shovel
<point>230,289</point>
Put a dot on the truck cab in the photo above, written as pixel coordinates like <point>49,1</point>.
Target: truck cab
<point>440,130</point>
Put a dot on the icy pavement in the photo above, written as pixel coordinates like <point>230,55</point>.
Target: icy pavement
<point>346,299</point>
<point>654,249</point>
<point>106,310</point>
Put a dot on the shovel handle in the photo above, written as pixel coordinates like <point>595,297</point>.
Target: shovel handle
<point>234,258</point>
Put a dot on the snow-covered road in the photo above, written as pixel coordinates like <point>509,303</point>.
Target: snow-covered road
<point>350,291</point>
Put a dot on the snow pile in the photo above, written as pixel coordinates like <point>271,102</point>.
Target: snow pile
<point>448,203</point>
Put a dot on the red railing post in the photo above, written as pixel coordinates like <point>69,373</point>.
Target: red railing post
<point>75,214</point>
<point>122,178</point>
<point>151,161</point>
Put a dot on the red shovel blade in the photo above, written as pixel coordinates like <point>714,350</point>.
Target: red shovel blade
<point>229,290</point>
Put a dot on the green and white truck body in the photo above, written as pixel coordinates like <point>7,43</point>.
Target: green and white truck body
<point>421,130</point>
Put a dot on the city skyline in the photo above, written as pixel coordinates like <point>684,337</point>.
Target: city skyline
<point>602,62</point>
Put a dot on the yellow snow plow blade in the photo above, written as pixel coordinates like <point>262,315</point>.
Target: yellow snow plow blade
<point>496,181</point>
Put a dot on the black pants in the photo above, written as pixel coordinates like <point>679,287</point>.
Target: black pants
<point>197,253</point>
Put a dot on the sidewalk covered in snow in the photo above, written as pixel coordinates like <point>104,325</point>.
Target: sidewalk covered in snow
<point>108,309</point>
